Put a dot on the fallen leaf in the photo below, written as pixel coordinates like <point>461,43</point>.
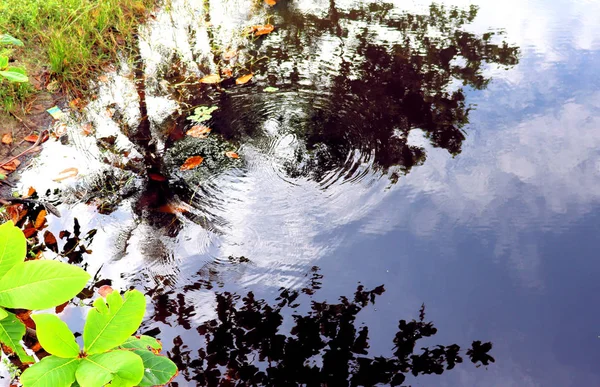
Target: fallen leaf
<point>271,2</point>
<point>270,89</point>
<point>31,138</point>
<point>172,209</point>
<point>192,163</point>
<point>7,139</point>
<point>29,232</point>
<point>105,290</point>
<point>244,79</point>
<point>67,173</point>
<point>50,241</point>
<point>40,219</point>
<point>227,72</point>
<point>262,29</point>
<point>198,131</point>
<point>60,130</point>
<point>12,166</point>
<point>232,155</point>
<point>103,78</point>
<point>30,192</point>
<point>156,177</point>
<point>228,55</point>
<point>213,78</point>
<point>77,104</point>
<point>87,129</point>
<point>61,307</point>
<point>16,212</point>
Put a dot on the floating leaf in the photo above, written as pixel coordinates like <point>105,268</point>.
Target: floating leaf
<point>232,155</point>
<point>12,166</point>
<point>41,284</point>
<point>105,290</point>
<point>199,131</point>
<point>230,54</point>
<point>52,371</point>
<point>192,163</point>
<point>271,89</point>
<point>13,247</point>
<point>55,336</point>
<point>156,177</point>
<point>50,241</point>
<point>103,78</point>
<point>270,2</point>
<point>7,139</point>
<point>113,320</point>
<point>262,29</point>
<point>31,138</point>
<point>119,368</point>
<point>226,72</point>
<point>11,332</point>
<point>159,370</point>
<point>213,78</point>
<point>244,79</point>
<point>67,173</point>
<point>40,219</point>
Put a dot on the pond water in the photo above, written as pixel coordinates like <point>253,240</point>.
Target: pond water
<point>449,152</point>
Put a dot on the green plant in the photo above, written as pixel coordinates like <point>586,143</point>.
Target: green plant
<point>110,354</point>
<point>202,113</point>
<point>30,285</point>
<point>11,73</point>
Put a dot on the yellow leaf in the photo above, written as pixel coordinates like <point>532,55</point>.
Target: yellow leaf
<point>212,78</point>
<point>243,79</point>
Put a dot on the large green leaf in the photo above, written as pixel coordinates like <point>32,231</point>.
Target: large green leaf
<point>142,342</point>
<point>14,76</point>
<point>3,313</point>
<point>158,370</point>
<point>11,332</point>
<point>13,247</point>
<point>55,336</point>
<point>7,39</point>
<point>52,371</point>
<point>112,321</point>
<point>121,368</point>
<point>41,284</point>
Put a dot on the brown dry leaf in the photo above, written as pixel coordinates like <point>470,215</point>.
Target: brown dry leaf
<point>67,173</point>
<point>262,30</point>
<point>12,166</point>
<point>7,139</point>
<point>87,129</point>
<point>212,78</point>
<point>192,163</point>
<point>228,55</point>
<point>77,104</point>
<point>244,79</point>
<point>29,232</point>
<point>103,78</point>
<point>226,72</point>
<point>232,155</point>
<point>199,131</point>
<point>50,241</point>
<point>31,138</point>
<point>40,219</point>
<point>16,212</point>
<point>105,290</point>
<point>270,2</point>
<point>61,307</point>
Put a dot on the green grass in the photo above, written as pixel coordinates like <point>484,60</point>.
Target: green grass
<point>73,39</point>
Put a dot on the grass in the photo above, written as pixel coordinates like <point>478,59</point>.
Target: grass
<point>72,39</point>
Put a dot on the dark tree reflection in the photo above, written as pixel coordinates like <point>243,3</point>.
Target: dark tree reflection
<point>411,76</point>
<point>246,346</point>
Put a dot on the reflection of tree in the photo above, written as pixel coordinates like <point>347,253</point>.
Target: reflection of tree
<point>244,346</point>
<point>386,85</point>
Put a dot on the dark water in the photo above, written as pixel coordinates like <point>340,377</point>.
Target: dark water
<point>450,154</point>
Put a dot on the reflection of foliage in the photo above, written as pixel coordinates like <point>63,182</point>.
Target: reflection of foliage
<point>385,84</point>
<point>244,345</point>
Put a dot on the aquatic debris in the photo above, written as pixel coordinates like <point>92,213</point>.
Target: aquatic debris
<point>202,113</point>
<point>32,138</point>
<point>270,2</point>
<point>232,155</point>
<point>212,78</point>
<point>199,131</point>
<point>259,30</point>
<point>191,163</point>
<point>7,139</point>
<point>67,173</point>
<point>157,177</point>
<point>12,166</point>
<point>226,72</point>
<point>244,79</point>
<point>271,89</point>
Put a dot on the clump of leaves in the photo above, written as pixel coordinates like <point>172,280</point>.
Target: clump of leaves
<point>10,73</point>
<point>30,285</point>
<point>110,354</point>
<point>202,114</point>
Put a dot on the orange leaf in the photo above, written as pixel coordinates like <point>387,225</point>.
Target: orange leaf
<point>262,30</point>
<point>12,166</point>
<point>30,192</point>
<point>157,177</point>
<point>271,2</point>
<point>87,129</point>
<point>103,78</point>
<point>172,209</point>
<point>31,138</point>
<point>29,232</point>
<point>226,72</point>
<point>243,79</point>
<point>228,55</point>
<point>199,131</point>
<point>67,173</point>
<point>213,78</point>
<point>232,155</point>
<point>105,290</point>
<point>40,220</point>
<point>50,241</point>
<point>7,139</point>
<point>192,163</point>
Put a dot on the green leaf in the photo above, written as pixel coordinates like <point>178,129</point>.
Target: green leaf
<point>158,370</point>
<point>11,332</point>
<point>3,62</point>
<point>41,284</point>
<point>7,39</point>
<point>142,342</point>
<point>3,313</point>
<point>111,322</point>
<point>271,89</point>
<point>121,368</point>
<point>55,336</point>
<point>14,76</point>
<point>13,247</point>
<point>52,371</point>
